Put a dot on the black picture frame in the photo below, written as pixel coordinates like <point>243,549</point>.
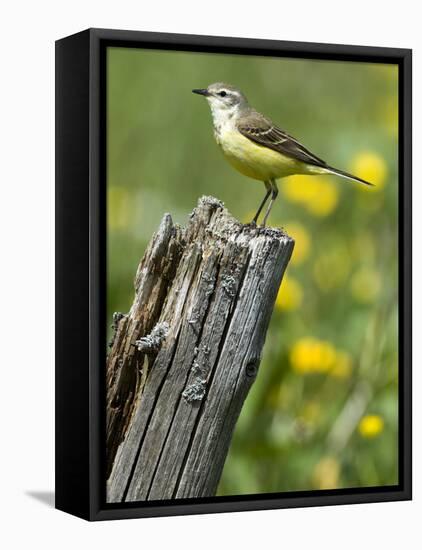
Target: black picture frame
<point>81,274</point>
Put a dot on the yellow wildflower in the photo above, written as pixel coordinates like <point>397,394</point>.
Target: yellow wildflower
<point>310,355</point>
<point>290,294</point>
<point>302,242</point>
<point>294,188</point>
<point>371,426</point>
<point>371,167</point>
<point>319,195</point>
<point>325,357</point>
<point>324,199</point>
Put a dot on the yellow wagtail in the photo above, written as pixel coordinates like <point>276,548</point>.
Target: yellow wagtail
<point>256,147</point>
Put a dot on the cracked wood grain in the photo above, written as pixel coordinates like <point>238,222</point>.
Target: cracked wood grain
<point>184,358</point>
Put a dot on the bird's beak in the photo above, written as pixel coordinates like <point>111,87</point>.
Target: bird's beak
<point>201,91</point>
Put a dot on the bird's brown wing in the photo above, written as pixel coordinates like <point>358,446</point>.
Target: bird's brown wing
<point>261,130</point>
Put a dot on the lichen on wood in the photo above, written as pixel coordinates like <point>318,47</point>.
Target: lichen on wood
<point>185,356</point>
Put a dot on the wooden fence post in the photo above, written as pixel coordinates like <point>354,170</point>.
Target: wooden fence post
<point>185,356</point>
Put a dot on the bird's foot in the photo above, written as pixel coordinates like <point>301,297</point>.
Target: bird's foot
<point>251,224</point>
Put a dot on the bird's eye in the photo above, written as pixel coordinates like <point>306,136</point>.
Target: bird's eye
<point>222,93</point>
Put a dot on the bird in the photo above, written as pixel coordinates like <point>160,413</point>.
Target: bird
<point>257,147</point>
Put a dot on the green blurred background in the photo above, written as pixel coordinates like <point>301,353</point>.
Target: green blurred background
<point>323,411</point>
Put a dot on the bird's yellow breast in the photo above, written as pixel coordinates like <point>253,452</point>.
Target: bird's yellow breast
<point>253,160</point>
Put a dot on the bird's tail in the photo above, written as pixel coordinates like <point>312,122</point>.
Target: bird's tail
<point>346,175</point>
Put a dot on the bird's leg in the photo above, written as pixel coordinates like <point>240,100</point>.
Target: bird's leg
<point>268,187</point>
<point>274,193</point>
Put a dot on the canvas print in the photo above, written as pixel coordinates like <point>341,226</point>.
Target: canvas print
<point>252,275</point>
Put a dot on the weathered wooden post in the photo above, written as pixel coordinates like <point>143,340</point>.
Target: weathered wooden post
<point>185,356</point>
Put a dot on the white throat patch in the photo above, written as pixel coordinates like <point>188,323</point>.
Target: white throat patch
<point>223,117</point>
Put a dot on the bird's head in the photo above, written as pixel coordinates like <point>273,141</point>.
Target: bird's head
<point>223,98</point>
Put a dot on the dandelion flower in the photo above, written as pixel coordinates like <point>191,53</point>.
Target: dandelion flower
<point>371,426</point>
<point>371,167</point>
<point>290,295</point>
